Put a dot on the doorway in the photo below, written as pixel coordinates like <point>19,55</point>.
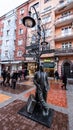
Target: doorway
<point>67,69</point>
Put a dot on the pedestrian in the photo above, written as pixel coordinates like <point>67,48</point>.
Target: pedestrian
<point>14,78</point>
<point>42,87</point>
<point>8,78</point>
<point>4,74</point>
<point>26,72</point>
<point>56,75</point>
<point>64,81</point>
<point>20,74</point>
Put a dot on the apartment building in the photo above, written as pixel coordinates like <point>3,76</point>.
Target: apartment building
<point>8,39</point>
<point>45,10</point>
<point>64,37</point>
<point>21,36</point>
<point>12,38</point>
<point>57,25</point>
<point>57,21</point>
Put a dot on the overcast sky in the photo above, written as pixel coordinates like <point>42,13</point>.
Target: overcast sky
<point>7,5</point>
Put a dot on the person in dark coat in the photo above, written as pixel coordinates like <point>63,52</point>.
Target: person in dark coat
<point>42,87</point>
<point>26,72</point>
<point>8,78</point>
<point>4,74</point>
<point>64,81</point>
<point>56,75</point>
<point>14,79</point>
<point>20,74</point>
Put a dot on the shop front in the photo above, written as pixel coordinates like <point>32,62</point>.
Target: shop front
<point>32,68</point>
<point>49,68</point>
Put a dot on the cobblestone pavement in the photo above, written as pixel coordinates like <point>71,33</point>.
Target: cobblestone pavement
<point>59,100</point>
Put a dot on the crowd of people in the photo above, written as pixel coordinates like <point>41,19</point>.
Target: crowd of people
<point>10,78</point>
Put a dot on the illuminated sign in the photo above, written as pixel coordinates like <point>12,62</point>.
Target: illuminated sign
<point>49,64</point>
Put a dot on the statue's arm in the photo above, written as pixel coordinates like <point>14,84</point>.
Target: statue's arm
<point>35,79</point>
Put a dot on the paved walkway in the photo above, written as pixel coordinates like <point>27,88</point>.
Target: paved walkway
<point>57,99</point>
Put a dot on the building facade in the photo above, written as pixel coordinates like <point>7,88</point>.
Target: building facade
<point>64,36</point>
<point>12,38</point>
<point>21,36</point>
<point>57,25</point>
<point>45,10</point>
<point>8,39</point>
<point>57,20</point>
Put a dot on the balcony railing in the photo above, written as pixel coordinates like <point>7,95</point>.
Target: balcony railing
<point>66,51</point>
<point>64,36</point>
<point>61,21</point>
<point>63,6</point>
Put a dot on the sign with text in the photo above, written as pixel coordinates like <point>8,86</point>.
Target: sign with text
<point>49,64</point>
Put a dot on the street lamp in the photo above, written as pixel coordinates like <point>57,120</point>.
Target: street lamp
<point>28,21</point>
<point>29,111</point>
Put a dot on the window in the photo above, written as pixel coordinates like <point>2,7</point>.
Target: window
<point>1,37</point>
<point>61,1</point>
<point>2,29</point>
<point>6,53</point>
<point>66,13</point>
<point>21,31</point>
<point>0,46</point>
<point>46,19</point>
<point>47,32</point>
<point>66,45</point>
<point>46,1</point>
<point>47,9</point>
<point>20,42</point>
<point>20,21</point>
<point>69,0</point>
<point>7,43</point>
<point>66,30</point>
<point>33,39</point>
<point>19,53</point>
<point>48,46</point>
<point>8,32</point>
<point>22,11</point>
<point>9,22</point>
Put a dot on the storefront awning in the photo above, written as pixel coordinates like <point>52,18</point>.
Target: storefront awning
<point>12,62</point>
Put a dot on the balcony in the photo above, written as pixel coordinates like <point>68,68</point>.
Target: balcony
<point>64,6</point>
<point>64,52</point>
<point>64,36</point>
<point>62,21</point>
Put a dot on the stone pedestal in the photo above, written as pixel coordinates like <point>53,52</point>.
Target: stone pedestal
<point>37,115</point>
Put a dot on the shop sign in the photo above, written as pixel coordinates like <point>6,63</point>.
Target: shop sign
<point>47,60</point>
<point>49,64</point>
